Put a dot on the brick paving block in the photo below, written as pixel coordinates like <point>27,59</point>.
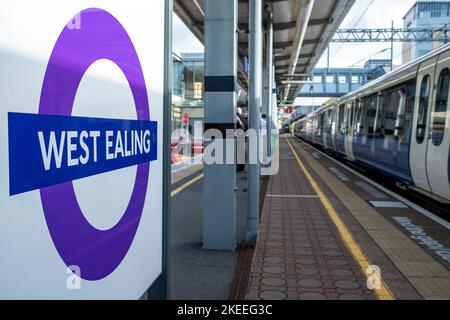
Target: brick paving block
<point>346,284</point>
<point>273,282</point>
<point>309,283</point>
<point>274,270</point>
<point>272,295</point>
<point>311,296</point>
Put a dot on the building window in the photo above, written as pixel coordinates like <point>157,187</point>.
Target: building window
<point>317,79</point>
<point>342,79</point>
<point>330,79</point>
<point>423,109</point>
<point>198,80</point>
<point>355,79</point>
<point>423,52</point>
<point>440,109</point>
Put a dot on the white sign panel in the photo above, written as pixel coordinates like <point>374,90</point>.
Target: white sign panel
<point>81,122</point>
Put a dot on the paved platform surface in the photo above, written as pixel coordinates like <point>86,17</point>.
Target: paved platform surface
<point>321,237</point>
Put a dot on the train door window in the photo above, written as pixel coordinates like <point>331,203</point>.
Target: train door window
<point>329,120</point>
<point>317,124</point>
<point>440,109</point>
<point>322,116</point>
<point>423,109</point>
<point>341,119</point>
<point>380,101</point>
<point>352,115</point>
<point>360,130</point>
<point>349,118</point>
<point>394,114</point>
<point>333,121</point>
<point>371,104</point>
<point>358,117</point>
<point>404,128</point>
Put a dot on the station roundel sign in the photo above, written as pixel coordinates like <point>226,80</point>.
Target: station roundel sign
<point>96,252</point>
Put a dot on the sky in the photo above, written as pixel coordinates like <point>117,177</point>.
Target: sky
<point>184,40</point>
<point>379,14</point>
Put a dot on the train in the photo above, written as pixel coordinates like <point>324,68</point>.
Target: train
<point>397,125</point>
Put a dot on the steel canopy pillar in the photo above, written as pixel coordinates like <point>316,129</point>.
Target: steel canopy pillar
<point>269,79</point>
<point>254,108</point>
<point>219,183</point>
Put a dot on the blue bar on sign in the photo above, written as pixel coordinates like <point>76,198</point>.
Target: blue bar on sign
<point>46,150</point>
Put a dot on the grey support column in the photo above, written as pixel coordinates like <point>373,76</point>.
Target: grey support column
<point>254,100</point>
<point>269,70</point>
<point>219,195</point>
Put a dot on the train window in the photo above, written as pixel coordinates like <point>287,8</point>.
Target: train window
<point>379,121</point>
<point>358,117</point>
<point>352,116</point>
<point>423,109</point>
<point>394,114</point>
<point>329,121</point>
<point>341,119</point>
<point>371,107</point>
<point>320,126</point>
<point>349,118</point>
<point>333,121</point>
<point>405,133</point>
<point>440,109</point>
<point>363,118</point>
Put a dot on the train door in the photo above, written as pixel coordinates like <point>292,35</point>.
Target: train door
<point>349,110</point>
<point>420,129</point>
<point>439,135</point>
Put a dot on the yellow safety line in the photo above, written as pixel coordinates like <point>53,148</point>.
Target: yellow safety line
<point>184,186</point>
<point>384,293</point>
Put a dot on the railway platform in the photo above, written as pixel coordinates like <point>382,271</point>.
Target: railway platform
<point>196,273</point>
<point>328,232</point>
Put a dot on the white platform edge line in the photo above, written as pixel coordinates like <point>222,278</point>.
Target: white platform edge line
<point>185,164</point>
<point>291,196</point>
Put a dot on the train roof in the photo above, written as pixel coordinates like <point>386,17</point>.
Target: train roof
<point>405,72</point>
<point>407,69</point>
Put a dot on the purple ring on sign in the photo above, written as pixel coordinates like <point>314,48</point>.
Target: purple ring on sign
<point>101,36</point>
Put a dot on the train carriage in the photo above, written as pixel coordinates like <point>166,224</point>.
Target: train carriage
<point>398,125</point>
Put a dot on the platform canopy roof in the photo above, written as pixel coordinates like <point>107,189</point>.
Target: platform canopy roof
<point>302,32</point>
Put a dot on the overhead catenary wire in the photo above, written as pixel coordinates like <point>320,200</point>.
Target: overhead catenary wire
<point>355,24</point>
<point>372,55</point>
<point>363,14</point>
